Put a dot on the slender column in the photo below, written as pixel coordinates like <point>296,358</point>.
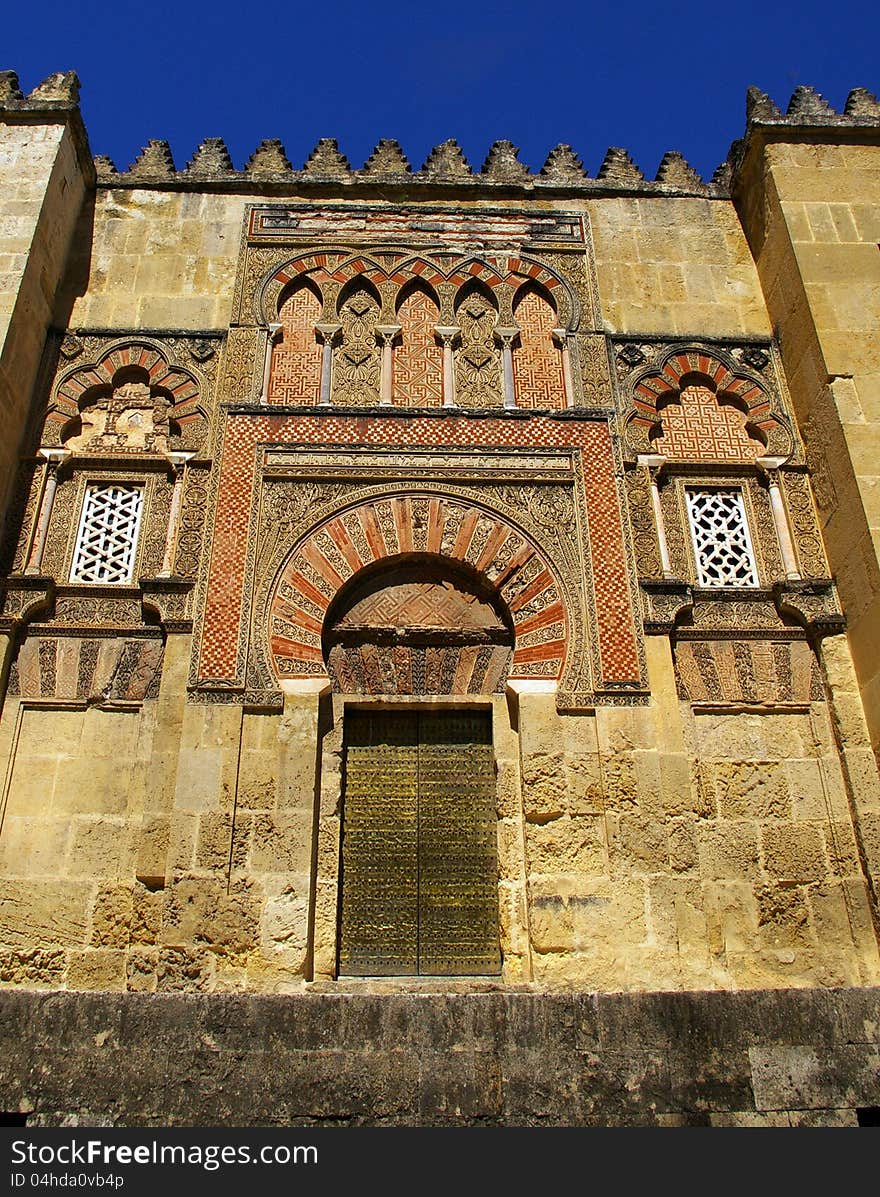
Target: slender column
<point>386,386</point>
<point>179,461</point>
<point>327,333</point>
<point>272,334</point>
<point>771,465</point>
<point>447,334</point>
<point>561,337</point>
<point>653,463</point>
<point>54,458</point>
<point>505,336</point>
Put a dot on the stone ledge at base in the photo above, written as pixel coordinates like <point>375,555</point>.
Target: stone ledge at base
<point>753,1058</point>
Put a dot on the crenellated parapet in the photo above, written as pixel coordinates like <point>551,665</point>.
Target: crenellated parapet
<point>445,167</point>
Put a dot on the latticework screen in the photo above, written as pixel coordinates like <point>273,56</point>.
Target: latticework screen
<point>720,533</point>
<point>108,533</point>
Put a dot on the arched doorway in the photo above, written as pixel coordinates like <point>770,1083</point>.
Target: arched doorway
<point>419,872</point>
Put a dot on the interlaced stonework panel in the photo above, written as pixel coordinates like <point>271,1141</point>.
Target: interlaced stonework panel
<point>107,540</point>
<point>418,359</point>
<point>478,360</point>
<point>356,365</point>
<point>721,539</point>
<point>537,361</point>
<point>699,428</point>
<point>296,357</point>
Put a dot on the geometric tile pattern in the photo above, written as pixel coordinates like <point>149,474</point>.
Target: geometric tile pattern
<point>418,359</point>
<point>699,428</point>
<point>108,532</point>
<point>537,362</point>
<point>721,538</point>
<point>296,358</point>
<point>224,602</point>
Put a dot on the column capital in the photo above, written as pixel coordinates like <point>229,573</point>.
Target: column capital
<point>388,332</point>
<point>654,463</point>
<point>769,467</point>
<point>560,335</point>
<point>55,457</point>
<point>274,330</point>
<point>179,458</point>
<point>327,332</point>
<point>447,332</point>
<point>506,335</point>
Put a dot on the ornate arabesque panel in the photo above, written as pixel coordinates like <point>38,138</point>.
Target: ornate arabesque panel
<point>605,650</point>
<point>478,360</point>
<point>642,522</point>
<point>418,359</point>
<point>356,359</point>
<point>296,357</point>
<point>761,673</point>
<point>537,361</point>
<point>805,527</point>
<point>94,670</point>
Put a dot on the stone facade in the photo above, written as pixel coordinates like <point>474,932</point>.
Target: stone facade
<point>590,456</point>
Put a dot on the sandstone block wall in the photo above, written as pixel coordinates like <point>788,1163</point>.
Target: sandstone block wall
<point>813,219</point>
<point>42,190</point>
<point>675,266</point>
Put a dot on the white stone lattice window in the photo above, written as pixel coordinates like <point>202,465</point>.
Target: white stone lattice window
<point>720,533</point>
<point>108,534</point>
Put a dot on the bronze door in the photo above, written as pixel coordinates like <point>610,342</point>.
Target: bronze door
<point>419,855</point>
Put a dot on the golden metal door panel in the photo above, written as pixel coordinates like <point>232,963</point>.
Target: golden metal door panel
<point>419,856</point>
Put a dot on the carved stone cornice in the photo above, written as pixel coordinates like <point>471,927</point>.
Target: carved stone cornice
<point>665,602</point>
<point>21,598</point>
<point>168,598</point>
<point>814,604</point>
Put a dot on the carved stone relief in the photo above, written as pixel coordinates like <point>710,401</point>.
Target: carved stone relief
<point>357,360</point>
<point>478,361</point>
<point>763,673</point>
<point>89,670</point>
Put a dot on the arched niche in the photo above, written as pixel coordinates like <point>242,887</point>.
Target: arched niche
<point>418,359</point>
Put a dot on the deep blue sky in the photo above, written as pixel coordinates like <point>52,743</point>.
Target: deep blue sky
<point>647,76</point>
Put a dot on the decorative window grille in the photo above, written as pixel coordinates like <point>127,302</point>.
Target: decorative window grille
<point>108,534</point>
<point>720,533</point>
